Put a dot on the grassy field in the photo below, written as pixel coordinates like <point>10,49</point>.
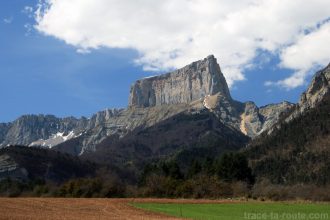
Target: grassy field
<point>240,211</point>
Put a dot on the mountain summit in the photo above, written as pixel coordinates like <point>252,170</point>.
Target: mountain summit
<point>191,83</point>
<point>194,89</point>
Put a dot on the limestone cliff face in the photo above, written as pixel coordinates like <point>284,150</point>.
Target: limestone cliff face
<point>251,120</point>
<point>272,113</point>
<point>256,120</point>
<point>318,88</point>
<point>185,85</point>
<point>29,128</point>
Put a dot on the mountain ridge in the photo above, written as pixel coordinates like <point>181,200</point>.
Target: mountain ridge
<point>195,87</point>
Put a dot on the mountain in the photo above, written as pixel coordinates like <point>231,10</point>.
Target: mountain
<point>183,136</point>
<point>193,88</point>
<point>181,130</point>
<point>297,148</point>
<point>28,129</point>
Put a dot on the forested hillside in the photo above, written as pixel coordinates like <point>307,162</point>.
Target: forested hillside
<point>298,152</point>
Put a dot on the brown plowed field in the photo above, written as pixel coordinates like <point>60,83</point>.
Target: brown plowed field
<point>78,209</point>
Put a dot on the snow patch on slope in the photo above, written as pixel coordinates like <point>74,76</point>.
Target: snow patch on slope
<point>54,140</point>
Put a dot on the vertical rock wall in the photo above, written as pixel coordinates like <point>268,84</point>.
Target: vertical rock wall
<point>185,85</point>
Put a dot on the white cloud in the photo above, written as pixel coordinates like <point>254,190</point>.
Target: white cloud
<point>28,29</point>
<point>28,10</point>
<point>308,53</point>
<point>170,34</point>
<point>297,79</point>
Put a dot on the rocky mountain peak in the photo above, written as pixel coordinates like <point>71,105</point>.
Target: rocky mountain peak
<point>319,86</point>
<point>185,85</point>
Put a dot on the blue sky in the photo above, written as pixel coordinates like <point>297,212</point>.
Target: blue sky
<point>41,71</point>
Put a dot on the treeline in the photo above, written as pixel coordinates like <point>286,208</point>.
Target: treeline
<point>97,187</point>
<point>225,177</point>
<point>210,178</point>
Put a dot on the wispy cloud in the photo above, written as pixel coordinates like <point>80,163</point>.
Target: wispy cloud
<point>170,34</point>
<point>28,29</point>
<point>29,11</point>
<point>8,20</point>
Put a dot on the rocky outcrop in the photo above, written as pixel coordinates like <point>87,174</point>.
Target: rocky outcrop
<point>4,127</point>
<point>9,168</point>
<point>319,86</point>
<point>251,120</point>
<point>30,128</point>
<point>272,113</point>
<point>316,91</point>
<point>185,85</point>
<point>256,120</point>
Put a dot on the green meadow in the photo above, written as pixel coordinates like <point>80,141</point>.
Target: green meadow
<point>241,211</point>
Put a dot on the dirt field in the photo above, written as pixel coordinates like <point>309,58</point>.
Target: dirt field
<point>60,209</point>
